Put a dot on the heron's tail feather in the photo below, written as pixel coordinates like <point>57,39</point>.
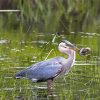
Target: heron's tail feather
<point>20,74</point>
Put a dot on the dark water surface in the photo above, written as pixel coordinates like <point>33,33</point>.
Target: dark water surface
<point>20,51</point>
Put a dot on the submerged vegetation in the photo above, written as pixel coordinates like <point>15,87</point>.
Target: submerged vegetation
<point>51,15</point>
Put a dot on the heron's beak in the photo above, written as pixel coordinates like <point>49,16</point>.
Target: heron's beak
<point>81,51</point>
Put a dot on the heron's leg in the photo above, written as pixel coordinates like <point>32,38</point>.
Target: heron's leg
<point>49,86</point>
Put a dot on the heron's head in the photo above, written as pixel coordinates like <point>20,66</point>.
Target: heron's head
<point>67,48</point>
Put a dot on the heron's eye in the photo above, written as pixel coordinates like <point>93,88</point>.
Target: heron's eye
<point>64,46</point>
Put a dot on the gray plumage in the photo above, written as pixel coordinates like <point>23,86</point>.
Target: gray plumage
<point>51,68</point>
<point>43,70</point>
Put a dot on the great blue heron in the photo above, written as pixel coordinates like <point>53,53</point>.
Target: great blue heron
<point>50,69</point>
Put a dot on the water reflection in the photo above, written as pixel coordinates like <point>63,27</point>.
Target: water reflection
<point>39,93</point>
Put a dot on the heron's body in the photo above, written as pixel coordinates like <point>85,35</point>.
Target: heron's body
<point>49,69</point>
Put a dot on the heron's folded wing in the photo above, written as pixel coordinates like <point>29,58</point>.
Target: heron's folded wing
<point>42,71</point>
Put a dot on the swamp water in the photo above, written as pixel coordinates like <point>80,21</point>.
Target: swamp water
<point>19,51</point>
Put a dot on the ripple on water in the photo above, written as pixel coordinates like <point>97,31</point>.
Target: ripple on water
<point>4,41</point>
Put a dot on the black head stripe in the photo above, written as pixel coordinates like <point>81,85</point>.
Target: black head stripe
<point>67,43</point>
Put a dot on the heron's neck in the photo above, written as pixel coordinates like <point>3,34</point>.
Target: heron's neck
<point>68,63</point>
<point>71,58</point>
<point>72,55</point>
